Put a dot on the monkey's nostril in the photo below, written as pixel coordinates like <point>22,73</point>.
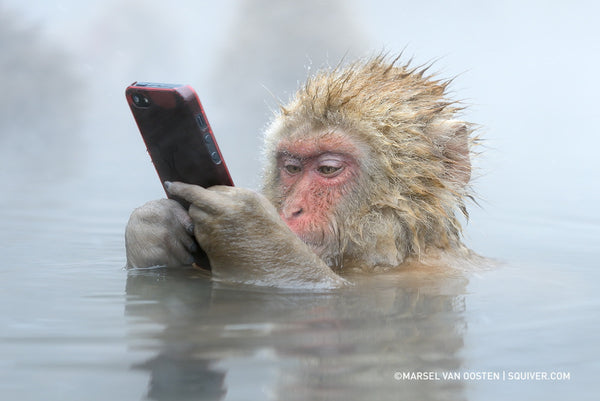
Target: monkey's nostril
<point>291,212</point>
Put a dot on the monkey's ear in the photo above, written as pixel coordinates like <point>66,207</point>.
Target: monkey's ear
<point>451,139</point>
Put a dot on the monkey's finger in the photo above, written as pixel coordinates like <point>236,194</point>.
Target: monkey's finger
<point>203,226</point>
<point>224,189</point>
<point>186,238</point>
<point>181,244</point>
<point>203,239</point>
<point>195,194</point>
<point>181,253</point>
<point>200,217</point>
<point>182,216</point>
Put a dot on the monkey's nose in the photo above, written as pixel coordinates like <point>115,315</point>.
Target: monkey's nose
<point>292,213</point>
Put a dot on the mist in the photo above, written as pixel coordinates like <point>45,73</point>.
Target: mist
<point>75,325</point>
<point>524,69</point>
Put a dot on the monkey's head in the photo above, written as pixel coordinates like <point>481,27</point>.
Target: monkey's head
<point>368,164</point>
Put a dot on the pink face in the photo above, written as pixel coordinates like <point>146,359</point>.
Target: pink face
<point>315,174</point>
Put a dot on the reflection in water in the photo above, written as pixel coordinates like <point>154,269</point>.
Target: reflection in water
<point>297,345</point>
<point>170,298</point>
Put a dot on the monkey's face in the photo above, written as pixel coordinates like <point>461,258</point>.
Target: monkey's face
<point>315,173</point>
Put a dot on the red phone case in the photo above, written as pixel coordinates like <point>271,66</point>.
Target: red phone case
<point>178,136</point>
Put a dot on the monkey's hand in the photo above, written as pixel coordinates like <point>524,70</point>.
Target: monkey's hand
<point>160,233</point>
<point>247,242</point>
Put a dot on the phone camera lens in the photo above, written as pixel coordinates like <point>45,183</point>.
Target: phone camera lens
<point>140,100</point>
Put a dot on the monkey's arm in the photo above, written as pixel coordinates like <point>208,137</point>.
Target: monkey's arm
<point>247,242</point>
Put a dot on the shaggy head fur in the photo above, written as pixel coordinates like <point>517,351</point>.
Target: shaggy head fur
<point>415,165</point>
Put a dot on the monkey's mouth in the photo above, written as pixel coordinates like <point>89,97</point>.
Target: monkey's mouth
<point>312,238</point>
<point>324,247</point>
<point>321,239</point>
<point>309,233</point>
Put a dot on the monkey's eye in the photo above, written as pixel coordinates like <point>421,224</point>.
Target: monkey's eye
<point>329,170</point>
<point>292,168</point>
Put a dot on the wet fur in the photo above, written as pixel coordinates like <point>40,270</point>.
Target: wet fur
<point>415,162</point>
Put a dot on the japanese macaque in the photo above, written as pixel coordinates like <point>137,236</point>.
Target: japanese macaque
<point>366,168</point>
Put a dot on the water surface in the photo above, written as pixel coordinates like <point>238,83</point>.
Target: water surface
<point>75,325</point>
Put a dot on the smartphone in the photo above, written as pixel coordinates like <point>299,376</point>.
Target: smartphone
<point>178,137</point>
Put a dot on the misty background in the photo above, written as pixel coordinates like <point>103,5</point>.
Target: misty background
<point>525,69</point>
<point>73,166</point>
